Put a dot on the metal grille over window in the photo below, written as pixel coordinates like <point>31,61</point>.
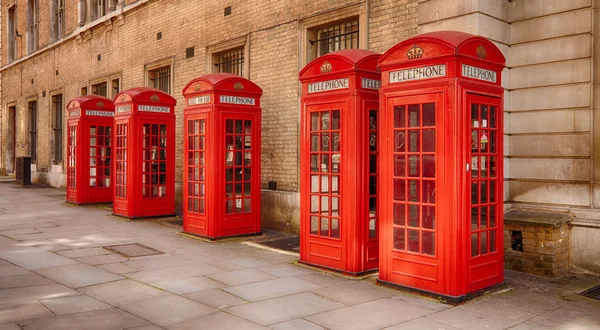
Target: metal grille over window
<point>100,89</point>
<point>160,79</point>
<point>336,37</point>
<point>121,161</point>
<point>154,167</point>
<point>414,166</point>
<point>196,165</point>
<point>100,156</point>
<point>231,62</point>
<point>238,166</point>
<point>484,179</point>
<point>71,157</point>
<point>325,164</point>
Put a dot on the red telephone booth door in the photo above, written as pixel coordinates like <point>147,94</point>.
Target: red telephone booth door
<point>485,264</point>
<point>325,246</point>
<point>414,137</point>
<point>99,162</point>
<point>195,165</point>
<point>72,163</point>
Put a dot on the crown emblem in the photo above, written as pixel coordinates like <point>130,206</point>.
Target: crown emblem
<point>154,98</point>
<point>100,104</point>
<point>123,97</point>
<point>238,86</point>
<point>481,52</point>
<point>326,67</point>
<point>197,87</point>
<point>415,52</point>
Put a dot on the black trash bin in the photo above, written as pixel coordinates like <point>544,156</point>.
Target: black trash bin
<point>23,171</point>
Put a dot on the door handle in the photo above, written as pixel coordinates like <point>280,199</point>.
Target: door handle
<point>468,167</point>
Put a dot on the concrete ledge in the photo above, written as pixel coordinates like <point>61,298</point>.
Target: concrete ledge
<point>537,218</point>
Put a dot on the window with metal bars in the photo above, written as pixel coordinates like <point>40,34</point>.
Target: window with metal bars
<point>160,78</point>
<point>231,61</point>
<point>57,127</point>
<point>334,37</point>
<point>100,89</point>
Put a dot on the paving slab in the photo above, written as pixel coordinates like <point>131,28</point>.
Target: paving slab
<point>297,324</point>
<point>33,258</point>
<point>74,304</point>
<point>421,324</point>
<point>157,262</point>
<point>421,301</point>
<point>13,270</point>
<point>354,292</point>
<point>9,326</point>
<point>172,273</point>
<point>188,285</point>
<point>282,270</point>
<point>79,275</point>
<point>147,327</point>
<point>530,325</point>
<point>323,279</point>
<point>241,276</point>
<point>10,233</point>
<point>94,320</point>
<point>102,259</point>
<point>286,308</point>
<point>20,312</point>
<point>271,288</point>
<point>370,315</point>
<point>217,321</point>
<point>117,268</point>
<point>216,298</point>
<point>28,294</point>
<point>19,281</point>
<point>85,252</point>
<point>570,317</point>
<point>122,292</point>
<point>168,310</point>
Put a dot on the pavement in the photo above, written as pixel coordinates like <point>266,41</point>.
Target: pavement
<point>55,274</point>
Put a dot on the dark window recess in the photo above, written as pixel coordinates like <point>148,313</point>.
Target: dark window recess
<point>189,52</point>
<point>160,79</point>
<point>227,11</point>
<point>516,238</point>
<point>335,37</point>
<point>99,57</point>
<point>159,36</point>
<point>231,62</point>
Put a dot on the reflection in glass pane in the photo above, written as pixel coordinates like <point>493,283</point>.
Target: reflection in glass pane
<point>413,115</point>
<point>335,206</point>
<point>399,189</point>
<point>400,141</point>
<point>314,204</point>
<point>335,184</point>
<point>483,222</point>
<point>335,143</point>
<point>492,216</point>
<point>202,127</point>
<point>483,242</point>
<point>336,120</point>
<point>474,141</point>
<point>399,165</point>
<point>399,214</point>
<point>493,135</point>
<point>413,215</point>
<point>399,239</point>
<point>247,205</point>
<point>474,193</point>
<point>314,163</point>
<point>474,166</point>
<point>324,226</point>
<point>414,241</point>
<point>335,163</point>
<point>428,217</point>
<point>493,166</point>
<point>372,229</point>
<point>325,183</point>
<point>428,140</point>
<point>372,185</point>
<point>474,115</point>
<point>372,164</point>
<point>413,190</point>
<point>428,192</point>
<point>373,141</point>
<point>325,120</point>
<point>413,141</point>
<point>93,161</point>
<point>372,120</point>
<point>335,228</point>
<point>247,189</point>
<point>324,205</point>
<point>399,116</point>
<point>492,241</point>
<point>474,218</point>
<point>483,192</point>
<point>484,116</point>
<point>428,243</point>
<point>201,209</point>
<point>493,116</point>
<point>373,207</point>
<point>314,225</point>
<point>413,166</point>
<point>238,127</point>
<point>324,163</point>
<point>325,142</point>
<point>474,245</point>
<point>429,114</point>
<point>314,121</point>
<point>428,166</point>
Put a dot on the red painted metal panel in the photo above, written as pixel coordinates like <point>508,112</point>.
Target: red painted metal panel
<point>222,133</point>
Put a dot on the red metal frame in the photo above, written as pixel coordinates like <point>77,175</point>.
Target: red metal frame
<point>427,223</point>
<point>144,160</point>
<point>89,150</point>
<point>339,170</point>
<point>221,171</point>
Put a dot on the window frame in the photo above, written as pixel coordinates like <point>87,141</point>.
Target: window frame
<point>32,129</point>
<point>57,143</point>
<point>213,52</point>
<point>151,68</point>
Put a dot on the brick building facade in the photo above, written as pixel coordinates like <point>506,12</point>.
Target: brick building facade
<point>54,50</point>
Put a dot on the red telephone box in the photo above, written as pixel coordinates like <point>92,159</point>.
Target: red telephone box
<point>89,150</point>
<point>339,161</point>
<point>144,160</point>
<point>441,158</point>
<point>221,171</point>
